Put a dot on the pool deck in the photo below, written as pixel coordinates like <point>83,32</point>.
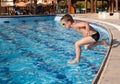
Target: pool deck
<point>111,72</point>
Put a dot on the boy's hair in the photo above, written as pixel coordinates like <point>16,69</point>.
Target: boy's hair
<point>67,17</point>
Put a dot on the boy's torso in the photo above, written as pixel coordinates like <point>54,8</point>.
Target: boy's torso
<point>83,30</point>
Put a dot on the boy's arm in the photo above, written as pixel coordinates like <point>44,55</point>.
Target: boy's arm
<point>87,27</point>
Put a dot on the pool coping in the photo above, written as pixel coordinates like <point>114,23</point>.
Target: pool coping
<point>19,16</point>
<point>107,76</point>
<point>104,75</point>
<point>98,75</point>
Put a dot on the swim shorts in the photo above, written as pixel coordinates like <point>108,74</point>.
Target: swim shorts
<point>96,36</point>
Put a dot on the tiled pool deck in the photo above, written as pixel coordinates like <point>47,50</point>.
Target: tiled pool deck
<point>111,71</point>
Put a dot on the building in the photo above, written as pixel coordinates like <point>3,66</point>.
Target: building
<point>112,5</point>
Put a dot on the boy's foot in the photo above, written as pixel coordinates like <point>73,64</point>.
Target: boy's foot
<point>73,62</point>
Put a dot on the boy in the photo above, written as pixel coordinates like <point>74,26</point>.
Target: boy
<point>90,39</point>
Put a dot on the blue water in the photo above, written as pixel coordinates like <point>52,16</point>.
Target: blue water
<point>35,50</point>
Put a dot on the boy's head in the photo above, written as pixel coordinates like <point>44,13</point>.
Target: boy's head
<point>67,20</point>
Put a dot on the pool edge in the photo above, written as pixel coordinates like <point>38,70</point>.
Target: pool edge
<point>105,61</point>
<point>19,16</point>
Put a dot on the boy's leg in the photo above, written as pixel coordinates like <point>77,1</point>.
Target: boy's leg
<point>78,44</point>
<point>102,42</point>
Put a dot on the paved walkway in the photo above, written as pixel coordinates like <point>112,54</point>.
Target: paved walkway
<point>111,70</point>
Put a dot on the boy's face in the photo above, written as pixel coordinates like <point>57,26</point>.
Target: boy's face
<point>66,24</point>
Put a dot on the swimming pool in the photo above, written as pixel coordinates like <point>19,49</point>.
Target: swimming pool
<point>35,50</point>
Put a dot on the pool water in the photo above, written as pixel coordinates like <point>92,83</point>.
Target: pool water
<point>35,50</point>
